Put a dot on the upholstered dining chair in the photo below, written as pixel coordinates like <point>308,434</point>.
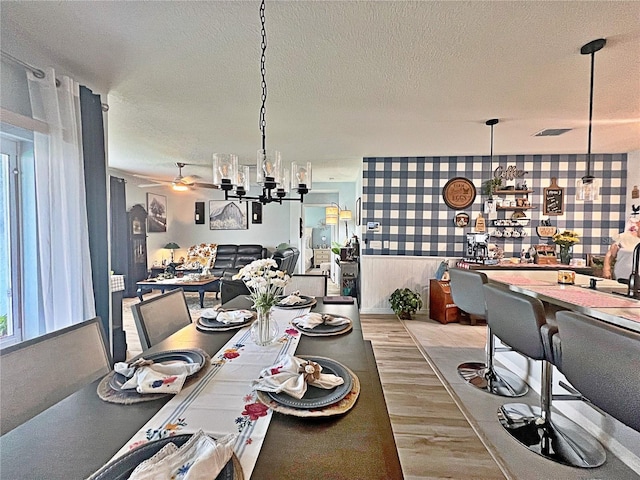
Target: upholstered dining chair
<point>468,295</point>
<point>39,373</point>
<point>160,316</point>
<point>312,285</point>
<point>520,320</point>
<point>230,289</point>
<point>609,375</point>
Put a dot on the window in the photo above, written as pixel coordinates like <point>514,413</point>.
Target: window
<point>19,296</point>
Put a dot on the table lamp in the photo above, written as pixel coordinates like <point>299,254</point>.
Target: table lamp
<point>171,246</point>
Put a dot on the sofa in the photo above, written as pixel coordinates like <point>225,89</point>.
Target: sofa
<point>224,261</point>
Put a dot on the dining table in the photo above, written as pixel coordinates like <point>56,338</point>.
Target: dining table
<point>600,298</point>
<point>80,434</point>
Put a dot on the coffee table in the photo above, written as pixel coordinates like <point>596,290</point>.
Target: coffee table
<point>200,286</point>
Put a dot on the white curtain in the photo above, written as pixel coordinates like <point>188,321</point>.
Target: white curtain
<point>63,241</point>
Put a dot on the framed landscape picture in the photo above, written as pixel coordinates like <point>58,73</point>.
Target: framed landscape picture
<point>228,215</point>
<point>157,213</point>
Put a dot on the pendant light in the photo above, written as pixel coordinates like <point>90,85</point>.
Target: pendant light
<point>587,187</point>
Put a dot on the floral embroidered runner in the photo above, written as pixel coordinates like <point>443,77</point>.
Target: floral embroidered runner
<point>223,401</point>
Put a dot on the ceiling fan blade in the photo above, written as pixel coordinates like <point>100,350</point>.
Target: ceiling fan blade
<point>190,179</point>
<point>204,185</point>
<point>149,185</point>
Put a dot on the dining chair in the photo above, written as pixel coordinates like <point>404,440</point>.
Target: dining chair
<point>520,320</point>
<point>230,289</point>
<point>608,376</point>
<point>313,285</point>
<point>160,316</point>
<point>468,295</point>
<point>39,373</point>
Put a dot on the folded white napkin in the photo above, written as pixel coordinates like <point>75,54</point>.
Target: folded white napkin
<point>200,458</point>
<point>291,376</point>
<point>312,320</point>
<point>148,377</point>
<point>234,316</point>
<point>292,299</point>
<point>211,313</point>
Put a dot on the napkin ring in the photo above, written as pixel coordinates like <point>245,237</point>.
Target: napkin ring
<point>310,370</point>
<point>141,362</point>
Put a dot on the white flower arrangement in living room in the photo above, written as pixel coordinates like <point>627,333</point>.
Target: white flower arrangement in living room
<point>265,284</point>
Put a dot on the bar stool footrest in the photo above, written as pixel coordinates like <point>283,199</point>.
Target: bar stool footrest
<point>498,381</point>
<point>558,439</point>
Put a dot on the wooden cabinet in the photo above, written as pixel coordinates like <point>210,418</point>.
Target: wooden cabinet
<point>441,306</point>
<point>321,255</point>
<point>137,249</point>
<point>348,279</point>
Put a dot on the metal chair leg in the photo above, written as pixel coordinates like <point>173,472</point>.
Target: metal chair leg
<point>492,379</point>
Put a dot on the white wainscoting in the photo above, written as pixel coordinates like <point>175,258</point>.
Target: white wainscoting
<point>381,274</point>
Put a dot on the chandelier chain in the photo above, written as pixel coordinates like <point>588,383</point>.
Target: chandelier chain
<point>263,71</point>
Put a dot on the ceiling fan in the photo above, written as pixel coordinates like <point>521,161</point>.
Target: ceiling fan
<point>179,183</point>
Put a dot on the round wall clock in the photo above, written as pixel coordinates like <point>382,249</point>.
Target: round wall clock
<point>459,193</point>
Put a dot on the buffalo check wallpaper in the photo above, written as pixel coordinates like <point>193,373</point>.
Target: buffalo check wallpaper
<point>404,195</point>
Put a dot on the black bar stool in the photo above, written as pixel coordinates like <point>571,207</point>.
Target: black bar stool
<point>609,375</point>
<point>468,295</point>
<point>519,321</point>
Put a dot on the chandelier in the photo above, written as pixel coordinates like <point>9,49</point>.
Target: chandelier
<point>275,181</point>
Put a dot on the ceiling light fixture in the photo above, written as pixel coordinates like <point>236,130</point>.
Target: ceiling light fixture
<point>273,179</point>
<point>587,187</point>
<point>333,213</point>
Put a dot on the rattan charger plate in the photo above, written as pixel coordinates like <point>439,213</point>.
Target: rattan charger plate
<point>109,394</point>
<point>338,408</point>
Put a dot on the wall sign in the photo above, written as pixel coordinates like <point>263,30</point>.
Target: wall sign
<point>459,193</point>
<point>553,201</point>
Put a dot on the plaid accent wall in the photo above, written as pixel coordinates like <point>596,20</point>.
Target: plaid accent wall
<point>404,194</point>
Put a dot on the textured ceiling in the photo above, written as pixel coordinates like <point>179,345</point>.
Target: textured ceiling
<point>346,79</point>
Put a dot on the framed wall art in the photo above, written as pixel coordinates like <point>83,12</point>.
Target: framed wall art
<point>157,213</point>
<point>228,215</point>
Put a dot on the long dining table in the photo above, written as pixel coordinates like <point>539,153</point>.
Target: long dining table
<point>80,434</point>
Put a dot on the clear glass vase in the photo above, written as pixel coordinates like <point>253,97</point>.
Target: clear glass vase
<point>566,253</point>
<point>264,330</point>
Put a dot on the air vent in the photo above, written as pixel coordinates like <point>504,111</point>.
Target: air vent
<point>552,132</point>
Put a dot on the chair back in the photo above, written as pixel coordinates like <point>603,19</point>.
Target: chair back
<point>38,373</point>
<point>602,362</point>
<point>313,285</point>
<point>516,319</point>
<point>230,289</point>
<point>466,291</point>
<point>160,316</point>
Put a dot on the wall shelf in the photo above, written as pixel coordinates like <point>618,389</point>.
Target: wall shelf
<point>514,208</point>
<point>511,192</point>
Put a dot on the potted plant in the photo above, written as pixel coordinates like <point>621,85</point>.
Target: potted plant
<point>405,302</point>
<point>491,185</point>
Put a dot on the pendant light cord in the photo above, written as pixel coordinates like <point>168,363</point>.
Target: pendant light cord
<point>263,71</point>
<point>593,61</point>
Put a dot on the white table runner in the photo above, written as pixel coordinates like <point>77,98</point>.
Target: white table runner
<point>223,401</point>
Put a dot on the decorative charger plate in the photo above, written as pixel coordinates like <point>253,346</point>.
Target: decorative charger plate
<point>316,397</point>
<point>308,302</point>
<point>325,330</point>
<point>338,408</point>
<point>187,356</point>
<point>210,325</point>
<point>122,467</point>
